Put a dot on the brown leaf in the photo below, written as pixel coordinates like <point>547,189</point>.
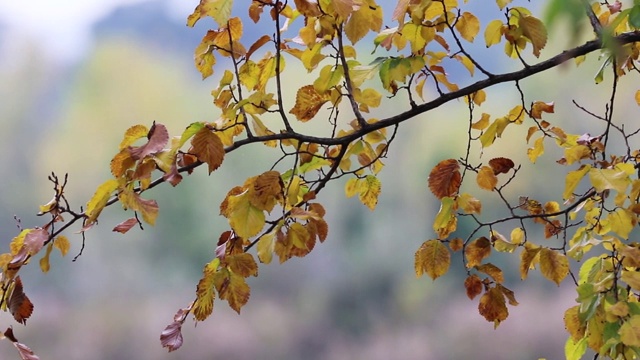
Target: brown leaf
<point>445,179</point>
<point>493,306</point>
<point>474,286</point>
<point>501,165</point>
<point>158,137</point>
<point>35,239</point>
<point>476,251</point>
<point>208,147</point>
<point>493,271</point>
<point>308,103</point>
<point>126,225</point>
<point>552,228</point>
<point>19,304</point>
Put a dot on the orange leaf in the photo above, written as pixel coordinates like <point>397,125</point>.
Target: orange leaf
<point>477,251</point>
<point>308,103</point>
<point>445,179</point>
<point>208,147</point>
<point>242,264</point>
<point>486,179</point>
<point>19,304</point>
<point>493,271</point>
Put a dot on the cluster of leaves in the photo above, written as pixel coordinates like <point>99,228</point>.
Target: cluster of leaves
<point>276,210</point>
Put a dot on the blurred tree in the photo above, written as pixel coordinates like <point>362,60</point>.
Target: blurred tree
<point>276,211</point>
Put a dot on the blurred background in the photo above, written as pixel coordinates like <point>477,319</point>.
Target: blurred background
<point>75,75</point>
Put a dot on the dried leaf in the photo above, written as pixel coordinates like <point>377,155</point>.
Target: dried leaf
<point>158,139</point>
<point>19,304</point>
<point>208,147</point>
<point>433,259</point>
<point>501,165</point>
<point>474,286</point>
<point>445,178</point>
<point>477,251</point>
<point>126,225</point>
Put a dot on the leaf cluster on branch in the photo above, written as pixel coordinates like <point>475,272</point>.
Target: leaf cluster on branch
<point>278,211</point>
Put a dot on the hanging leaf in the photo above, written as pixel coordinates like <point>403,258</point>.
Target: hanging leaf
<point>501,165</point>
<point>219,10</point>
<point>433,259</point>
<point>553,265</point>
<point>476,251</point>
<point>19,304</point>
<point>445,178</point>
<point>99,200</point>
<point>486,178</point>
<point>308,103</point>
<point>473,285</point>
<point>208,147</point>
<point>493,306</point>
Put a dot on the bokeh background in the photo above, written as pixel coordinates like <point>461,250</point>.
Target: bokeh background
<point>74,75</point>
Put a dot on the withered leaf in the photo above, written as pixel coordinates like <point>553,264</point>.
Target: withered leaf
<point>19,304</point>
<point>501,165</point>
<point>126,225</point>
<point>171,336</point>
<point>445,179</point>
<point>158,139</point>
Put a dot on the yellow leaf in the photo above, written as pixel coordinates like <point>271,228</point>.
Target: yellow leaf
<point>468,25</point>
<point>148,208</point>
<point>245,219</point>
<point>493,131</point>
<point>632,278</point>
<point>630,331</point>
<point>605,179</point>
<point>44,261</point>
<point>329,77</point>
<point>351,187</point>
<point>433,259</point>
<point>132,135</point>
<point>266,246</point>
<point>493,306</point>
<point>503,3</point>
<point>203,305</point>
<point>501,244</point>
<point>482,123</point>
<point>99,200</point>
<point>236,292</point>
<point>62,243</point>
<point>445,221</point>
<point>208,147</point>
<point>553,265</point>
<point>266,190</point>
<point>469,204</point>
<point>493,271</point>
<point>622,222</point>
<point>535,31</point>
<point>367,17</point>
<point>638,97</point>
<point>308,103</point>
<point>486,179</point>
<point>572,180</point>
<point>467,63</point>
<point>536,150</point>
<point>476,251</point>
<point>576,153</point>
<point>493,33</point>
<point>529,257</point>
<point>369,190</point>
<point>219,10</point>
<point>242,264</point>
<point>572,323</point>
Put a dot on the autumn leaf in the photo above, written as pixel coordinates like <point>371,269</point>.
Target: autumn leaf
<point>469,204</point>
<point>367,17</point>
<point>486,178</point>
<point>158,138</point>
<point>529,257</point>
<point>456,244</point>
<point>493,306</point>
<point>19,304</point>
<point>99,200</point>
<point>62,243</point>
<point>146,207</point>
<point>308,103</point>
<point>236,292</point>
<point>203,306</point>
<point>126,225</point>
<point>44,261</point>
<point>267,190</point>
<point>369,190</point>
<point>208,147</point>
<point>572,323</point>
<point>493,32</point>
<point>535,31</point>
<point>572,180</point>
<point>133,134</point>
<point>468,26</point>
<point>476,251</point>
<point>473,285</point>
<point>536,150</point>
<point>433,259</point>
<point>630,331</point>
<point>539,107</point>
<point>604,179</point>
<point>245,219</point>
<point>493,271</point>
<point>25,352</point>
<point>242,264</point>
<point>445,179</point>
<point>553,265</point>
<point>171,336</point>
<point>266,247</point>
<point>445,222</point>
<point>501,165</point>
<point>219,10</point>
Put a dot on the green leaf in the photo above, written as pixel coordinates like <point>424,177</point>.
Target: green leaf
<point>575,350</point>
